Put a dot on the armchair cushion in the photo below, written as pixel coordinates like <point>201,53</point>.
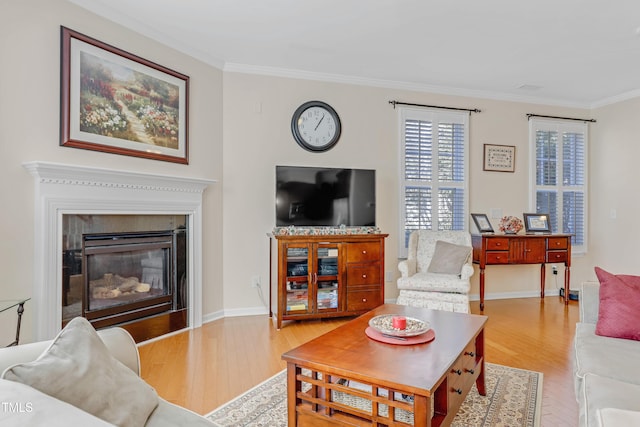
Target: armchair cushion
<point>435,282</point>
<point>619,311</point>
<point>77,368</point>
<point>449,258</point>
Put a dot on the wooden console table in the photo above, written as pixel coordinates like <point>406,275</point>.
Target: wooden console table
<point>510,249</point>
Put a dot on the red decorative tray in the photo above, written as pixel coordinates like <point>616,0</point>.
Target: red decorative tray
<point>415,339</point>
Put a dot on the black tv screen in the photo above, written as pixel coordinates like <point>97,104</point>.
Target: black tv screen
<point>325,197</point>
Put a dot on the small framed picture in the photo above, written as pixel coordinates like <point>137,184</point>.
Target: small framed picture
<point>499,158</point>
<point>536,223</point>
<point>482,223</point>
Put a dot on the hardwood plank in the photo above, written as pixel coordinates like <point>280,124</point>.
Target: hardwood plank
<point>203,368</point>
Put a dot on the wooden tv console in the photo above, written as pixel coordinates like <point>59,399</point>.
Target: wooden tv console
<point>329,275</point>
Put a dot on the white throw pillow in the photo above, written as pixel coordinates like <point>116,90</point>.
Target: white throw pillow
<point>77,368</point>
<point>448,258</point>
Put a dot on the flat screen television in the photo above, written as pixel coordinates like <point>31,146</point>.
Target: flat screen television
<point>325,197</point>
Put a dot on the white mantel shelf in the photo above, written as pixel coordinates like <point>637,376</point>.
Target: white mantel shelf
<point>69,189</point>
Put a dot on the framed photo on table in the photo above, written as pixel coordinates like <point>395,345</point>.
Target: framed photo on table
<point>115,102</point>
<point>482,223</point>
<point>536,223</point>
<point>499,158</point>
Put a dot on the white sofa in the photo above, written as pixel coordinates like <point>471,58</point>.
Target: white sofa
<point>607,373</point>
<point>24,405</point>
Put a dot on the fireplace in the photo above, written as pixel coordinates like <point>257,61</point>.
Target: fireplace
<point>125,277</point>
<point>92,195</point>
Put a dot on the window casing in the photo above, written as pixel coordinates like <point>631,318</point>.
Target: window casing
<point>559,176</point>
<point>434,172</point>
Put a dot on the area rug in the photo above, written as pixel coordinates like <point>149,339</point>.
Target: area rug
<point>514,398</point>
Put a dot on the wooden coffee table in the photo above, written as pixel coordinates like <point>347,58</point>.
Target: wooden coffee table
<point>346,378</point>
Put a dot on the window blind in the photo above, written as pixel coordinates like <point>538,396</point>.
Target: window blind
<point>434,164</point>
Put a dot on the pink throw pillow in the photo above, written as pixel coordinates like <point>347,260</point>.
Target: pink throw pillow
<point>619,311</point>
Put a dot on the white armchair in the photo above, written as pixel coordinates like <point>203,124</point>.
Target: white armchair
<point>445,284</point>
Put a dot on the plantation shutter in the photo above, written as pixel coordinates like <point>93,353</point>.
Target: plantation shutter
<point>560,177</point>
<point>434,172</point>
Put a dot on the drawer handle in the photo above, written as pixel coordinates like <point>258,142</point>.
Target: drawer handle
<point>457,390</point>
<point>498,244</point>
<point>471,371</point>
<point>364,300</point>
<point>364,276</point>
<point>457,371</point>
<point>364,252</point>
<point>469,353</point>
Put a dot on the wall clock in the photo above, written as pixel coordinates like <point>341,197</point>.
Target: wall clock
<point>316,126</point>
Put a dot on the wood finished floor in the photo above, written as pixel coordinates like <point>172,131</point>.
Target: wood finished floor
<point>206,367</point>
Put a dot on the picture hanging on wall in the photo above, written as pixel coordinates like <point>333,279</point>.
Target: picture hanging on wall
<point>116,102</point>
<point>499,158</point>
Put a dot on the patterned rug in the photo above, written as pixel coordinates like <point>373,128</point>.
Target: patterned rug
<point>514,398</point>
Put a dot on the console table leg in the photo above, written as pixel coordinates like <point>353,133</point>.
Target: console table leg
<point>481,289</point>
<point>566,284</point>
<point>543,272</point>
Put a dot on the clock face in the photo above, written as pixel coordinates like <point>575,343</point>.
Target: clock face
<point>316,126</point>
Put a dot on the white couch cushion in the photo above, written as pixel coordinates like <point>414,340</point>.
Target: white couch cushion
<point>22,405</point>
<point>613,417</point>
<point>77,368</point>
<point>609,357</point>
<point>600,393</point>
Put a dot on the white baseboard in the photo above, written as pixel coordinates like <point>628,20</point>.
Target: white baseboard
<point>259,311</point>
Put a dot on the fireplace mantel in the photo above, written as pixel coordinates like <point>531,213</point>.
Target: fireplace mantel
<point>68,189</point>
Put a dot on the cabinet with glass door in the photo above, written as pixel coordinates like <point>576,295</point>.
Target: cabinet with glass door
<point>313,276</point>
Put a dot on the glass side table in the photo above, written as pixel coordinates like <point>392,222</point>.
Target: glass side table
<point>9,304</point>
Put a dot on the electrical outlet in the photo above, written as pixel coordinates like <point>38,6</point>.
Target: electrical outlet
<point>255,281</point>
<point>554,269</point>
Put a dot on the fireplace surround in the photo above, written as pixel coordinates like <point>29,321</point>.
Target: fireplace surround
<point>62,189</point>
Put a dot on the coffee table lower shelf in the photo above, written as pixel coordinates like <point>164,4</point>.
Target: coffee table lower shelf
<point>341,401</point>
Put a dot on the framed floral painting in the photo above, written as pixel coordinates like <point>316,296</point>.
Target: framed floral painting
<point>115,102</point>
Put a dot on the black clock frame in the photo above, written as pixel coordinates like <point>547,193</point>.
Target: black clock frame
<point>296,132</point>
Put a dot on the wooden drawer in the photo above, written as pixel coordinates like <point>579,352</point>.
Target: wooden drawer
<point>462,376</point>
<point>497,257</point>
<point>363,274</point>
<point>557,256</point>
<point>363,300</point>
<point>554,243</point>
<point>367,251</point>
<point>498,244</point>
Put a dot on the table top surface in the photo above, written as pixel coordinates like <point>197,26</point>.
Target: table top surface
<point>6,304</point>
<point>417,368</point>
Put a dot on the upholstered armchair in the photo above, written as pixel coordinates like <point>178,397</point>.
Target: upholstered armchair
<point>437,270</point>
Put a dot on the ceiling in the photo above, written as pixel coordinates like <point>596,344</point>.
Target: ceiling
<point>580,53</point>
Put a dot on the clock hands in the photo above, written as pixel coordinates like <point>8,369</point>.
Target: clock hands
<point>319,121</point>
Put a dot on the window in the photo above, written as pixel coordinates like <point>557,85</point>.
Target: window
<point>434,172</point>
<point>559,184</point>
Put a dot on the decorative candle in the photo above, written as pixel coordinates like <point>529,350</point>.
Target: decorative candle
<point>399,322</point>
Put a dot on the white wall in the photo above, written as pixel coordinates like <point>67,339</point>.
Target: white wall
<point>615,150</point>
<point>29,129</point>
<point>257,137</point>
